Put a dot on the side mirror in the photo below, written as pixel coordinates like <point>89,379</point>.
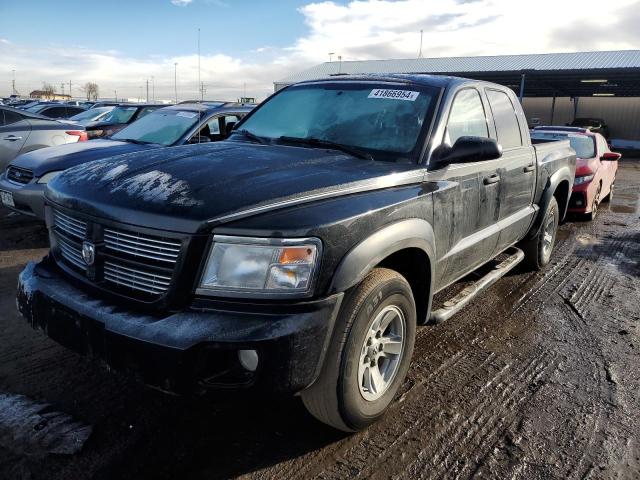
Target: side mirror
<point>610,157</point>
<point>199,139</point>
<point>471,149</point>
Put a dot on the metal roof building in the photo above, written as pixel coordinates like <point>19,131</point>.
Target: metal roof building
<point>537,78</point>
<point>610,73</point>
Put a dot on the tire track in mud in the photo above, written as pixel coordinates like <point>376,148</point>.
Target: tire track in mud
<point>472,434</point>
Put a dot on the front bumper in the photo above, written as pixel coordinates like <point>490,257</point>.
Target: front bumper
<point>581,200</point>
<point>29,197</point>
<point>186,351</point>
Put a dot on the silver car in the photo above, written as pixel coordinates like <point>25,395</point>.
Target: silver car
<point>22,132</point>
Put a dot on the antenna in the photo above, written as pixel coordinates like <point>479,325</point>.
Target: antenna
<point>199,82</point>
<point>420,51</point>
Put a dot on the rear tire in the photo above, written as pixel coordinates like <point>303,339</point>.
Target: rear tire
<point>608,198</point>
<point>537,250</point>
<point>594,205</point>
<point>369,354</point>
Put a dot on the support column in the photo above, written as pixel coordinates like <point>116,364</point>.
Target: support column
<point>553,109</point>
<point>522,78</point>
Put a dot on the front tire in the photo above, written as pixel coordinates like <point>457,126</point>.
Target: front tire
<point>369,354</point>
<point>537,250</point>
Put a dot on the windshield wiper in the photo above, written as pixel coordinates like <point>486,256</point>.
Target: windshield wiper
<point>132,140</point>
<point>251,136</point>
<point>316,142</point>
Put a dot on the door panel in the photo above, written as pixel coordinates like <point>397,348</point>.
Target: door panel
<point>466,219</point>
<point>12,139</point>
<point>516,167</point>
<point>468,210</point>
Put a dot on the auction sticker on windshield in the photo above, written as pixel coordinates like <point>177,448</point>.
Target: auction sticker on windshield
<point>394,94</point>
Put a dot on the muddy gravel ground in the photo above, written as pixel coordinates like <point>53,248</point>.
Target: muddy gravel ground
<point>538,378</point>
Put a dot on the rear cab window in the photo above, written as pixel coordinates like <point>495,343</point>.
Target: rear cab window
<point>505,119</point>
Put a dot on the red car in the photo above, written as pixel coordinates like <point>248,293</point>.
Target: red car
<point>596,166</point>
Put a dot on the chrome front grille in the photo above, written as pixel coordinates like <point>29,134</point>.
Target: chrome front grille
<point>135,264</point>
<point>139,245</point>
<point>19,175</point>
<point>69,226</point>
<point>137,279</point>
<point>71,253</point>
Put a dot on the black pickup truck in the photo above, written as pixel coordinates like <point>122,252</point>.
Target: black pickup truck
<point>300,254</point>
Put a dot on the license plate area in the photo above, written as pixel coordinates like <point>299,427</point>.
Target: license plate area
<point>7,199</point>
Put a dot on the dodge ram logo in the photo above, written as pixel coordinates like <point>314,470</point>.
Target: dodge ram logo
<point>88,253</point>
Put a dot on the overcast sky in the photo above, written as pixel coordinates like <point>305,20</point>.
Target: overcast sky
<point>247,45</point>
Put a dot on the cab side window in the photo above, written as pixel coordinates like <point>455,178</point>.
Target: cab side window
<point>467,117</point>
<point>504,116</point>
<point>11,117</point>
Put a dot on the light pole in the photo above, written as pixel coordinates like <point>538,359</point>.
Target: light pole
<point>331,54</point>
<point>175,80</point>
<point>153,88</point>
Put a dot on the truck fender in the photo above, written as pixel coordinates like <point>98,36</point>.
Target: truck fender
<point>361,259</point>
<point>563,174</point>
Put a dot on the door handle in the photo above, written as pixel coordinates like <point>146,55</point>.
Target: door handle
<point>529,168</point>
<point>12,138</point>
<point>495,178</point>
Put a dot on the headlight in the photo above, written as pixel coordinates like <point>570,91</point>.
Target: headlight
<point>263,267</point>
<point>584,179</point>
<point>47,177</point>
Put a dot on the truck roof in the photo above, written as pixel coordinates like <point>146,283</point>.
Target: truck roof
<point>409,78</point>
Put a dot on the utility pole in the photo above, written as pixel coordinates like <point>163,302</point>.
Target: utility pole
<point>69,88</point>
<point>420,51</point>
<point>115,95</point>
<point>13,82</point>
<point>175,80</point>
<point>62,87</point>
<point>339,63</point>
<point>199,82</point>
<point>147,90</point>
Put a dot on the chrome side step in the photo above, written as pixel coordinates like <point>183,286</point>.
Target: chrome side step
<point>457,303</point>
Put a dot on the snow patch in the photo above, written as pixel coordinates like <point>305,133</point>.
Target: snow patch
<point>157,186</point>
<point>35,429</point>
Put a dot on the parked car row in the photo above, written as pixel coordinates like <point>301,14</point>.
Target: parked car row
<point>22,131</point>
<point>26,178</point>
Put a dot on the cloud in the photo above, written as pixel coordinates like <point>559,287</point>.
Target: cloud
<point>181,3</point>
<point>357,30</point>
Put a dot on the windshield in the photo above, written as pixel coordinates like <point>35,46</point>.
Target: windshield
<point>361,115</point>
<point>120,115</point>
<point>584,145</point>
<point>164,127</point>
<point>90,115</point>
<point>38,107</point>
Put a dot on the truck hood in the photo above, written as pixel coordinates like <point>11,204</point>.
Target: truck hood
<point>69,155</point>
<point>191,188</point>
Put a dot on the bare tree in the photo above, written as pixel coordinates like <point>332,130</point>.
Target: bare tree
<point>48,90</point>
<point>91,90</point>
